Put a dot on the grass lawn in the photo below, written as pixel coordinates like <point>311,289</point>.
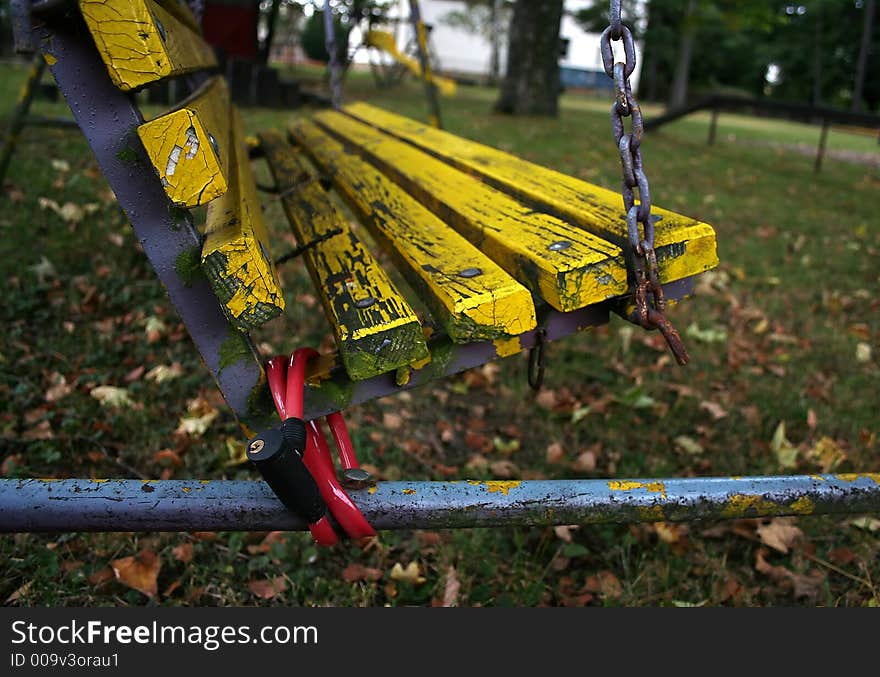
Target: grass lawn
<point>785,346</point>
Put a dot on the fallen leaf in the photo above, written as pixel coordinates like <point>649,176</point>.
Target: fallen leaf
<point>139,572</point>
<point>358,572</point>
<point>786,453</point>
<point>555,453</point>
<point>409,574</point>
<point>669,532</point>
<point>605,583</point>
<point>154,328</point>
<point>20,592</point>
<point>392,421</point>
<point>43,270</point>
<point>451,588</point>
<point>168,458</point>
<point>546,399</point>
<point>60,165</point>
<point>715,410</point>
<point>688,445</point>
<point>812,419</point>
<point>163,373</point>
<point>585,462</point>
<point>112,396</point>
<point>866,523</point>
<point>171,588</point>
<point>201,414</point>
<point>101,576</point>
<point>778,573</point>
<point>59,388</point>
<point>504,469</point>
<point>780,534</point>
<point>267,589</point>
<point>42,431</point>
<point>808,585</point>
<point>183,552</point>
<point>842,556</point>
<point>266,544</point>
<point>563,532</point>
<point>827,454</point>
<point>863,352</point>
<point>710,335</point>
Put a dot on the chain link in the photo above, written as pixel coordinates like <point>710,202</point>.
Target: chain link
<point>647,292</point>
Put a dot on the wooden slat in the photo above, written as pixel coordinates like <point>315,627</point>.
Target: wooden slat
<point>566,266</point>
<point>684,245</point>
<point>180,147</point>
<point>375,336</point>
<point>469,294</point>
<point>140,42</point>
<point>236,255</point>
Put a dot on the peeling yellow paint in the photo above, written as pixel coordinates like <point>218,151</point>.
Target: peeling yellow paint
<point>180,147</point>
<point>505,347</point>
<point>409,491</point>
<point>372,490</point>
<point>133,47</point>
<point>581,269</point>
<point>852,477</point>
<point>818,478</point>
<point>51,60</point>
<point>743,505</point>
<point>185,490</point>
<point>471,295</point>
<point>627,485</point>
<point>685,246</point>
<point>803,506</point>
<point>494,486</point>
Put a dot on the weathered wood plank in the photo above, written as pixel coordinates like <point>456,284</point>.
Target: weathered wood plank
<point>236,255</point>
<point>141,42</point>
<point>684,245</point>
<point>566,266</point>
<point>469,294</point>
<point>189,146</point>
<point>376,329</point>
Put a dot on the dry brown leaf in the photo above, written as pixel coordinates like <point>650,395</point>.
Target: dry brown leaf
<point>101,576</point>
<point>59,388</point>
<point>168,458</point>
<point>451,588</point>
<point>139,572</point>
<point>112,396</point>
<point>715,410</point>
<point>827,454</point>
<point>183,552</point>
<point>605,583</point>
<point>408,574</point>
<point>563,532</point>
<point>504,469</point>
<point>267,589</point>
<point>266,544</point>
<point>780,534</point>
<point>555,453</point>
<point>22,591</point>
<point>669,532</point>
<point>585,462</point>
<point>358,572</point>
<point>392,421</point>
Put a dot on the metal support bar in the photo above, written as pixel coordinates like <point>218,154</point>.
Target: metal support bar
<point>425,62</point>
<point>820,152</point>
<point>191,505</point>
<point>713,126</point>
<point>19,116</point>
<point>109,119</point>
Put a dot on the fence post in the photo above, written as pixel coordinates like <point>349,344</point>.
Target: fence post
<point>823,138</point>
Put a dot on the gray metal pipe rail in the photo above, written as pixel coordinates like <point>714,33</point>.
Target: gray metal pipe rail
<point>68,505</point>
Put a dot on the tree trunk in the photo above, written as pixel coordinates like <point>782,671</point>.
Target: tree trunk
<point>495,42</point>
<point>679,93</point>
<point>266,47</point>
<point>864,48</point>
<point>531,84</point>
<point>817,57</point>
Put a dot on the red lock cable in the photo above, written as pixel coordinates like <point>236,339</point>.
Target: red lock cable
<point>286,382</point>
<point>276,374</point>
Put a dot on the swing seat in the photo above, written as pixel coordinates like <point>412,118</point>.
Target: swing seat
<point>491,255</point>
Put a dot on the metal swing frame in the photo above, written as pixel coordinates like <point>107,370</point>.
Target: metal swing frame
<point>108,118</point>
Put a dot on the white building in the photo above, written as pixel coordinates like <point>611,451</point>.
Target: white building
<point>466,54</point>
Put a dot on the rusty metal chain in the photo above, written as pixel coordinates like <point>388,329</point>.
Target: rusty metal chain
<point>647,291</point>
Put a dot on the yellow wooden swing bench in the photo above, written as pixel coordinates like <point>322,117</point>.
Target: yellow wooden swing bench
<point>501,253</point>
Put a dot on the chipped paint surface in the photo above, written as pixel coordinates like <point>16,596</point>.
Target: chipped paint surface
<point>627,485</point>
<point>803,506</point>
<point>684,245</point>
<point>375,327</point>
<point>409,491</point>
<point>587,269</point>
<point>236,255</point>
<point>852,477</point>
<point>744,505</point>
<point>505,347</point>
<point>493,486</point>
<point>181,151</point>
<point>134,49</point>
<point>484,303</point>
